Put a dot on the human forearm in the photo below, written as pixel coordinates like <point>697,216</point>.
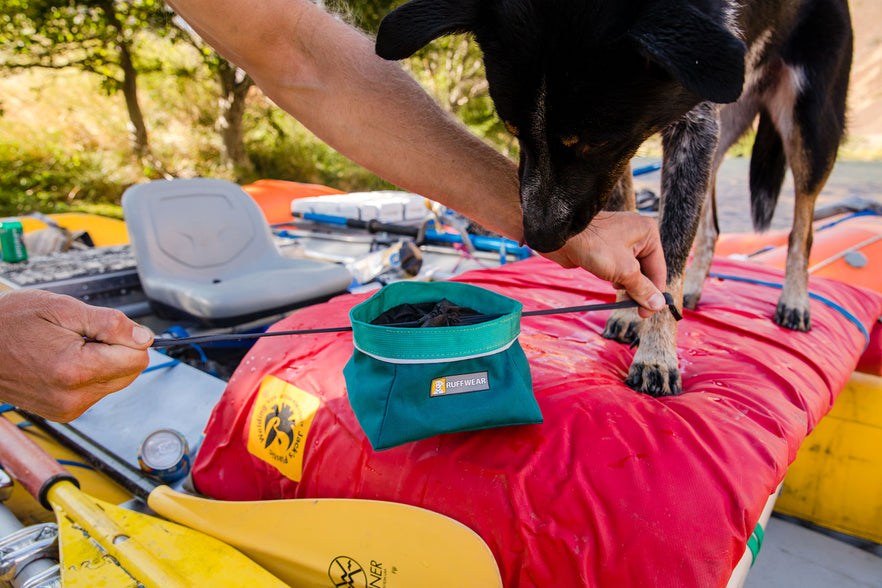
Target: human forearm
<point>325,74</point>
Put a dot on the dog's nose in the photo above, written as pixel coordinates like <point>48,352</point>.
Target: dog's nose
<point>553,213</point>
<point>545,237</point>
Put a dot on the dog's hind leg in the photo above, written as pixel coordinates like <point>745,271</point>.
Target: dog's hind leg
<point>689,146</point>
<point>811,150</point>
<point>735,119</point>
<point>815,82</point>
<point>623,325</point>
<point>703,250</point>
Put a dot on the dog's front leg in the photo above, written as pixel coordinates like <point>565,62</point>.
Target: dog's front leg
<point>689,146</point>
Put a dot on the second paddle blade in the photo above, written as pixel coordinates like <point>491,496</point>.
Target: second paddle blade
<point>196,558</point>
<point>322,542</point>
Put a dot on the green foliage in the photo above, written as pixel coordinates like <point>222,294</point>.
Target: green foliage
<point>451,69</point>
<point>365,14</point>
<point>46,179</point>
<point>281,148</point>
<point>76,157</point>
<point>76,33</point>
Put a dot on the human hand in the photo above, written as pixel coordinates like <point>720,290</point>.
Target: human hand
<point>623,248</point>
<point>58,356</point>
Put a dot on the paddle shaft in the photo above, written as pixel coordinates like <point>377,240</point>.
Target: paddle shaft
<point>100,458</point>
<point>26,462</point>
<point>52,485</point>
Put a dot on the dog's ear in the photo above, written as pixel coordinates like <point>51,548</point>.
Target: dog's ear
<point>414,24</point>
<point>700,53</point>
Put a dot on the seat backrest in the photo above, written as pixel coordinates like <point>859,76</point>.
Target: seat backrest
<point>199,229</point>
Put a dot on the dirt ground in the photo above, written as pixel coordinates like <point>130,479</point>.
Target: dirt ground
<point>865,93</point>
<point>850,179</point>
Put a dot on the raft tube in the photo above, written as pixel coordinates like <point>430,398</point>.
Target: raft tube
<point>274,197</point>
<point>615,488</point>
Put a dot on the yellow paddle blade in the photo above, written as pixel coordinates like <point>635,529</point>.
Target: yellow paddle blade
<point>341,542</point>
<point>84,564</point>
<point>153,551</point>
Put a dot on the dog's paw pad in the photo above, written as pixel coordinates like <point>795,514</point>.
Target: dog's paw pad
<point>627,332</point>
<point>655,380</point>
<point>795,319</point>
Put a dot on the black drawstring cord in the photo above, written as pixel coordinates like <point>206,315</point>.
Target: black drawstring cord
<point>195,340</point>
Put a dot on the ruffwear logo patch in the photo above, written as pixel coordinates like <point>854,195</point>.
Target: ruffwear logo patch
<point>460,384</point>
<point>280,424</point>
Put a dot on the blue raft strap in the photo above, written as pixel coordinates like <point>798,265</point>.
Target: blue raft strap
<point>856,214</point>
<point>843,311</point>
<point>76,464</point>
<point>160,366</point>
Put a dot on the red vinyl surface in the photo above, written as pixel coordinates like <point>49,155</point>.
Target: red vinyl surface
<point>615,488</point>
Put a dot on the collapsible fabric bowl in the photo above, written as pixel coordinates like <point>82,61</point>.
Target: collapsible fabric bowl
<point>406,384</point>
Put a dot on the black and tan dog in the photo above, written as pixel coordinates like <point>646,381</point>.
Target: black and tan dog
<point>583,83</point>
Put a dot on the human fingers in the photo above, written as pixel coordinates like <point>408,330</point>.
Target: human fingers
<point>49,367</point>
<point>623,248</point>
<point>646,282</point>
<point>108,354</point>
<point>650,254</point>
<point>80,374</point>
<point>95,323</point>
<point>59,403</point>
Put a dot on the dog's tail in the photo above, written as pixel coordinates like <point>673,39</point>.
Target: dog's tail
<point>768,164</point>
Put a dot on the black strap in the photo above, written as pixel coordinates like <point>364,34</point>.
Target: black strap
<point>478,318</point>
<point>669,300</point>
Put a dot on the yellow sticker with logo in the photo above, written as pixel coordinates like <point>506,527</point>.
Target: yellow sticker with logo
<point>280,422</point>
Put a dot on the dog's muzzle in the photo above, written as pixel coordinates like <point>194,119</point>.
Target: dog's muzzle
<point>543,239</point>
<point>550,222</point>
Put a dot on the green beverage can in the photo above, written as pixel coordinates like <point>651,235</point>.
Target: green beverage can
<point>12,245</point>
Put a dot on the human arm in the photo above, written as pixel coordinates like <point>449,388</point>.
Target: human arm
<point>327,75</point>
<point>58,356</point>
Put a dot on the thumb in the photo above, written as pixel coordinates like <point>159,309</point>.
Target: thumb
<point>645,293</point>
<point>115,328</point>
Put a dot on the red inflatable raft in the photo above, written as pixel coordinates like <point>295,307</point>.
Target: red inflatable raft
<point>615,488</point>
<point>846,247</point>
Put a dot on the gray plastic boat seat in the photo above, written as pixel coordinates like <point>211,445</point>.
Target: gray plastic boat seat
<point>204,248</point>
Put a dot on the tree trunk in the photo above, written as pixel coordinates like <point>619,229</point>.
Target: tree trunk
<point>234,86</point>
<point>137,128</point>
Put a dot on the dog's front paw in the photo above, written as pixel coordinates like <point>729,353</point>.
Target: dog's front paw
<point>655,380</point>
<point>623,326</point>
<point>795,319</point>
